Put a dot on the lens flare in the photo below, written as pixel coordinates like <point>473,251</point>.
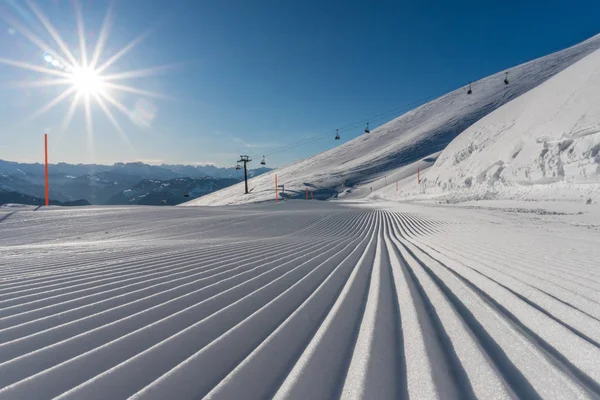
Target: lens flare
<point>88,82</point>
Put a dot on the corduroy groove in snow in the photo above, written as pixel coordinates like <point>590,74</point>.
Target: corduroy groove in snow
<point>304,301</point>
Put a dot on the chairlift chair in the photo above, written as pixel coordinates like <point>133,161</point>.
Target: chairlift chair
<point>186,194</point>
<point>506,79</point>
<point>263,162</point>
<point>337,135</point>
<point>469,91</point>
<point>238,166</point>
<point>367,129</point>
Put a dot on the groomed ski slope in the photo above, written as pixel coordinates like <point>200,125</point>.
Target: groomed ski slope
<point>302,300</point>
<point>365,161</point>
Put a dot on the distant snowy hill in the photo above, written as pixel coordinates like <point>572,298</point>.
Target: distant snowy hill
<point>19,183</point>
<point>409,138</point>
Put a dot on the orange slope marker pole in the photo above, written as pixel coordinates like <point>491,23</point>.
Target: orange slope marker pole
<point>276,190</point>
<point>46,165</point>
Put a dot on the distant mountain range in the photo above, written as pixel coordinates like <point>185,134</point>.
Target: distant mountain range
<point>121,183</point>
<point>169,192</point>
<point>19,198</point>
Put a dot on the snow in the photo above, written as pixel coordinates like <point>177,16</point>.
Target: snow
<point>15,205</point>
<point>367,160</point>
<point>302,299</point>
<point>543,145</point>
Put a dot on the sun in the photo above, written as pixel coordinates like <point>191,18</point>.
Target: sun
<point>87,81</point>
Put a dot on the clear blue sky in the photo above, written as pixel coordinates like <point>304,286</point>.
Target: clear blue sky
<point>249,76</point>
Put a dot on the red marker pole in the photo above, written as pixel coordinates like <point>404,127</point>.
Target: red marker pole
<point>306,193</point>
<point>46,165</point>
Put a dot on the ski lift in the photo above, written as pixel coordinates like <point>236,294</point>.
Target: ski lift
<point>186,194</point>
<point>506,79</point>
<point>469,91</point>
<point>367,129</point>
<point>337,135</point>
<point>238,166</point>
<point>263,162</point>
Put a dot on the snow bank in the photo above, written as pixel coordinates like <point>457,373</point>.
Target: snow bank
<point>545,144</point>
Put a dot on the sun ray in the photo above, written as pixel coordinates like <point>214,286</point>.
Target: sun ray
<point>112,119</point>
<point>37,83</point>
<point>52,31</point>
<point>124,51</point>
<point>125,111</point>
<point>81,33</point>
<point>66,122</point>
<point>116,104</point>
<point>102,37</point>
<point>33,38</point>
<point>125,88</point>
<point>108,113</point>
<point>44,109</point>
<point>139,73</point>
<point>89,126</point>
<point>32,67</point>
